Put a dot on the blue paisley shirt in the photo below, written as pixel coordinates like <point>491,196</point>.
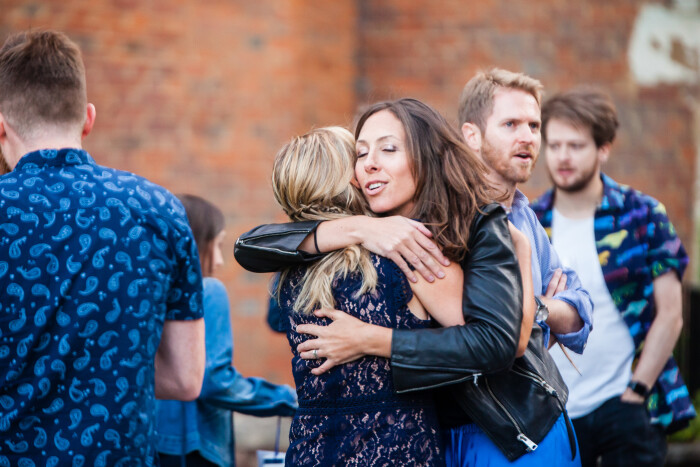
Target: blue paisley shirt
<point>92,262</point>
<point>637,243</point>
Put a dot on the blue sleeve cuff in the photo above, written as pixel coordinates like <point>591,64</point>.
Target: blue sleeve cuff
<point>545,332</point>
<point>576,341</point>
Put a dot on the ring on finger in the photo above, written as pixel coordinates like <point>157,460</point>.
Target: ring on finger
<point>315,353</point>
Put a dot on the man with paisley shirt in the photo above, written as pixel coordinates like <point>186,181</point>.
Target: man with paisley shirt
<point>100,279</point>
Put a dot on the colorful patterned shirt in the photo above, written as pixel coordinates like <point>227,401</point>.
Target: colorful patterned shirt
<point>637,243</point>
<point>92,262</point>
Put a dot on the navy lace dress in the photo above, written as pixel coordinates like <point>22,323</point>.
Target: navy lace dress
<point>350,415</point>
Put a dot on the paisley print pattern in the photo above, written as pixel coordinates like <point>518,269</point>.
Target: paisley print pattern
<point>637,243</point>
<point>92,262</point>
<point>350,415</point>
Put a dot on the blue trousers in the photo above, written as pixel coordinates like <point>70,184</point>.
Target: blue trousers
<point>468,446</point>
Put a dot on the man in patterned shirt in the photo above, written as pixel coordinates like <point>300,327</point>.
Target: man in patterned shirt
<point>99,275</point>
<point>627,254</point>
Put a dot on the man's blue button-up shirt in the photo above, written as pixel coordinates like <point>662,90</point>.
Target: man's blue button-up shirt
<point>544,263</point>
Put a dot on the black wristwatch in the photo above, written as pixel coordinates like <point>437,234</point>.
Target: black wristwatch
<point>542,312</point>
<point>639,388</point>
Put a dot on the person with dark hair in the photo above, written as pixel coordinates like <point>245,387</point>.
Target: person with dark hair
<point>100,279</point>
<point>411,164</point>
<point>200,433</point>
<point>629,393</point>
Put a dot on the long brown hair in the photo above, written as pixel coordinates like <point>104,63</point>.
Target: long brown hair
<point>450,179</point>
<point>206,222</point>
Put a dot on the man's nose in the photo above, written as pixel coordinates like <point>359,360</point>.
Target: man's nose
<point>527,134</point>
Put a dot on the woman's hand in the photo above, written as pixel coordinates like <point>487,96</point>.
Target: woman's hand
<point>344,340</point>
<point>404,241</point>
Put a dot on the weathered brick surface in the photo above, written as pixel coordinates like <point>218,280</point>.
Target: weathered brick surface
<point>430,49</point>
<point>199,95</point>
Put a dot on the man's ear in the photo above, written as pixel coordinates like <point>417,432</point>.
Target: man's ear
<point>604,152</point>
<point>3,130</point>
<point>472,136</point>
<point>90,114</point>
<point>6,146</point>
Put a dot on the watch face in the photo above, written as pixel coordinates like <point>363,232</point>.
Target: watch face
<point>542,313</point>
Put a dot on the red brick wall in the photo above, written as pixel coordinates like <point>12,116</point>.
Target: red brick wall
<point>430,50</point>
<point>199,95</point>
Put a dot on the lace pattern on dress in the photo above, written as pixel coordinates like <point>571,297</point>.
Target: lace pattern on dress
<point>350,415</point>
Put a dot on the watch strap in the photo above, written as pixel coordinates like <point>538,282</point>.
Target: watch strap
<point>639,388</point>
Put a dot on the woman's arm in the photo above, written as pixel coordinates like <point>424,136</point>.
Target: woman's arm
<point>273,247</point>
<point>441,299</point>
<point>492,308</point>
<point>524,253</point>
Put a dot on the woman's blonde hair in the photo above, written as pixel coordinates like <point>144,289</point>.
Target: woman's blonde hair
<point>311,181</point>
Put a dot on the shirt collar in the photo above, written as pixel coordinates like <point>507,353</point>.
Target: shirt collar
<point>520,201</point>
<point>613,196</point>
<point>54,157</point>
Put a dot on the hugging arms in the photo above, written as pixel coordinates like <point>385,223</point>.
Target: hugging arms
<point>492,299</point>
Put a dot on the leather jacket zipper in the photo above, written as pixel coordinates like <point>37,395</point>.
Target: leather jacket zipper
<point>475,378</point>
<point>537,379</point>
<point>530,445</point>
<point>552,392</point>
<point>472,377</point>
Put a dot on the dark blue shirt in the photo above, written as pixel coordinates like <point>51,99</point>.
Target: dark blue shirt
<point>92,262</point>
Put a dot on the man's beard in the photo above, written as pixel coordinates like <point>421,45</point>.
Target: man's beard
<point>502,165</point>
<point>578,184</point>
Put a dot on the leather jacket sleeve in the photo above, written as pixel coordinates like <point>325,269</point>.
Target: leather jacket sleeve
<point>492,306</point>
<point>273,247</point>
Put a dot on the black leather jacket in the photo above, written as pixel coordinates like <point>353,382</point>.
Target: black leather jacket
<point>514,401</point>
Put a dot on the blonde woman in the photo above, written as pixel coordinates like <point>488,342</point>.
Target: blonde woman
<point>352,415</point>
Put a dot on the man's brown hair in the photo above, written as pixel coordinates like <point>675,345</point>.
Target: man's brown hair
<point>585,108</point>
<point>42,82</point>
<point>476,101</point>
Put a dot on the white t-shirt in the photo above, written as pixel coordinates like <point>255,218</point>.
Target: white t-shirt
<point>606,363</point>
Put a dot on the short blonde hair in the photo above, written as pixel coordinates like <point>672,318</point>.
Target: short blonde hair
<point>476,101</point>
<point>311,180</point>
